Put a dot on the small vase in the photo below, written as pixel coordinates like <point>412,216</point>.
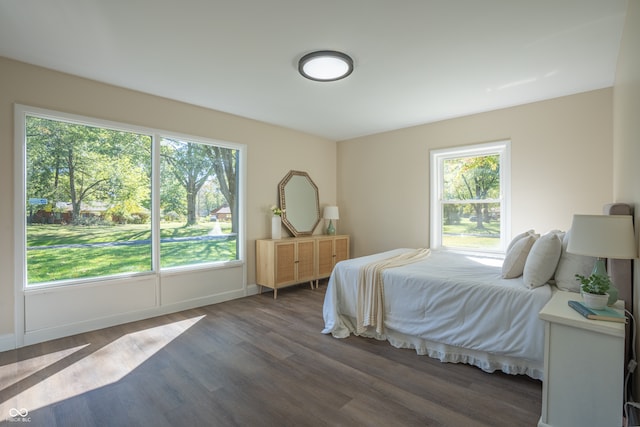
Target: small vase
<point>276,227</point>
<point>596,302</point>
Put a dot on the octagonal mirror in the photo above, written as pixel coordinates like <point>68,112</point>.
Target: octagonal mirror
<point>299,201</point>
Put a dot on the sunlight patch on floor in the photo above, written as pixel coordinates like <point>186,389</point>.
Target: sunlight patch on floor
<point>106,365</point>
<point>11,373</point>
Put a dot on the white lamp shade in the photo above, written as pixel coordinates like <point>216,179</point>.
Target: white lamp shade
<point>331,212</point>
<point>603,236</point>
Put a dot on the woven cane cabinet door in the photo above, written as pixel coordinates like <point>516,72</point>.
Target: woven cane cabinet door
<point>331,250</point>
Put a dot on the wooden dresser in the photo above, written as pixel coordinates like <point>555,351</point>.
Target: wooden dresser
<point>285,262</point>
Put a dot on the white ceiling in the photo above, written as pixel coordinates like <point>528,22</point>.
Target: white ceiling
<point>416,61</point>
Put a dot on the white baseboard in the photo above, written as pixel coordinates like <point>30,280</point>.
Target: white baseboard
<point>252,289</point>
<point>7,342</point>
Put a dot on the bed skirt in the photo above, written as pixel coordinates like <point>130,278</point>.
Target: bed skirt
<point>446,353</point>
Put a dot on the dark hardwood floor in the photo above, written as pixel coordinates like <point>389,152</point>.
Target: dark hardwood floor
<point>255,361</point>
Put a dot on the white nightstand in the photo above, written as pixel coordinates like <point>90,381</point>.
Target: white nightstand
<point>583,367</point>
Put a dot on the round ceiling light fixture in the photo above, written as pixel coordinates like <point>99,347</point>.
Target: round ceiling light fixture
<point>325,65</point>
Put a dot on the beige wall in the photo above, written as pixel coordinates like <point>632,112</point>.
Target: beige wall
<point>272,150</point>
<point>561,164</point>
<point>626,128</point>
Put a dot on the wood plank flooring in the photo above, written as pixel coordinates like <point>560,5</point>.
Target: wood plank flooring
<point>255,361</point>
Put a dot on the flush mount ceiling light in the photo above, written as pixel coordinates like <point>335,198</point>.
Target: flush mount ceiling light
<point>325,65</point>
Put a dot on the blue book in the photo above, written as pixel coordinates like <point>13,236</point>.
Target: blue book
<point>607,313</point>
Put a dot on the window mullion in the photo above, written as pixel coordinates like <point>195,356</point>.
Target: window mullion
<point>470,201</point>
<point>155,202</point>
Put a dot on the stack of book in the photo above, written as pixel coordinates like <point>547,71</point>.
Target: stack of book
<point>608,314</point>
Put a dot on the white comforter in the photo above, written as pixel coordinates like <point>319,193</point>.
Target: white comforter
<point>450,306</point>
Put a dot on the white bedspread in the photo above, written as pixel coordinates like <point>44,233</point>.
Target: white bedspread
<point>454,307</point>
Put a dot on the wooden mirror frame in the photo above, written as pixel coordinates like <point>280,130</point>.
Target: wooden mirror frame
<point>301,215</point>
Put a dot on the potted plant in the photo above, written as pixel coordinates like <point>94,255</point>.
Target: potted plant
<point>594,290</point>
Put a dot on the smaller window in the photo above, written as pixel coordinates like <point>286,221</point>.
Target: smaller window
<point>198,202</point>
<point>469,197</point>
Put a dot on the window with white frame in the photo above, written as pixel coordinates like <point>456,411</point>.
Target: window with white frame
<point>470,197</point>
<point>198,202</point>
<point>95,204</point>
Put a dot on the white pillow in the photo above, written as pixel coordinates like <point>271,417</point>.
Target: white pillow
<point>518,237</point>
<point>570,265</point>
<point>560,235</point>
<point>516,257</point>
<point>543,259</point>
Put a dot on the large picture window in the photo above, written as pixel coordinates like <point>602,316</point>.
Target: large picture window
<point>469,197</point>
<point>90,207</point>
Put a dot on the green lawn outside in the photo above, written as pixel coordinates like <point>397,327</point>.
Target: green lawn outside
<point>467,235</point>
<point>47,235</point>
<point>470,242</point>
<point>182,253</point>
<point>61,263</point>
<point>74,263</point>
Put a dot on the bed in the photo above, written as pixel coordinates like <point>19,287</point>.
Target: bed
<point>456,307</point>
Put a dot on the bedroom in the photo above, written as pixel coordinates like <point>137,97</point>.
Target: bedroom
<point>597,126</point>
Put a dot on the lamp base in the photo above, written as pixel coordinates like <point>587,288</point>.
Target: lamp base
<point>601,270</point>
<point>331,230</point>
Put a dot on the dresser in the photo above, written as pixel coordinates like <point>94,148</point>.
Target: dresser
<point>290,261</point>
<point>583,367</point>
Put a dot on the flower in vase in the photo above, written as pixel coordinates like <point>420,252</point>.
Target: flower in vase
<point>276,210</point>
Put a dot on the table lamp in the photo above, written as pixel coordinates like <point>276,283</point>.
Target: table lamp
<point>603,236</point>
<point>331,213</point>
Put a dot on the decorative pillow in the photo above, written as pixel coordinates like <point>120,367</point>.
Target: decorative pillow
<point>543,259</point>
<point>516,257</point>
<point>518,237</point>
<point>570,265</point>
<point>560,235</point>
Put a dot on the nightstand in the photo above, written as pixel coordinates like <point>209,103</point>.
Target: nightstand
<point>583,367</point>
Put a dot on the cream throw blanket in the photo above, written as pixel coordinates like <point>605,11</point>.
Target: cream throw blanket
<point>370,302</point>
